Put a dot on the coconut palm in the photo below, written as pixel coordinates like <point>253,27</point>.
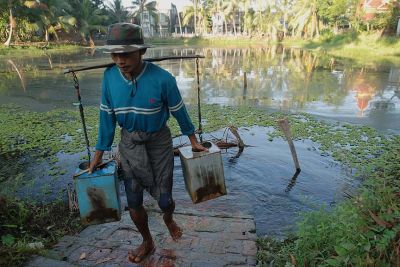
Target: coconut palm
<point>230,9</point>
<point>117,11</point>
<point>305,19</point>
<point>9,6</point>
<point>143,5</point>
<point>202,15</point>
<point>89,19</point>
<point>51,15</point>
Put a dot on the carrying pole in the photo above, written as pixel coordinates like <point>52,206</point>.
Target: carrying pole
<point>198,101</point>
<point>155,59</point>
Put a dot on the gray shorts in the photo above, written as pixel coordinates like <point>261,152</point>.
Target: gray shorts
<point>147,162</point>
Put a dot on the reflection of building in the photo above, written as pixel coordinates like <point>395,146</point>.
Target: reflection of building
<point>364,93</point>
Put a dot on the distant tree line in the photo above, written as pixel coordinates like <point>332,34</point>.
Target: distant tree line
<point>45,20</point>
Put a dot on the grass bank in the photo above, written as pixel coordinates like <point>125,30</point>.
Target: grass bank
<point>211,41</point>
<point>362,231</point>
<point>365,48</point>
<point>38,49</point>
<point>365,226</point>
<point>28,228</point>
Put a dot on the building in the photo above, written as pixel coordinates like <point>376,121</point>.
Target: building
<point>373,7</point>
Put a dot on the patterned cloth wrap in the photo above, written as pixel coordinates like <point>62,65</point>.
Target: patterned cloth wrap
<point>147,161</point>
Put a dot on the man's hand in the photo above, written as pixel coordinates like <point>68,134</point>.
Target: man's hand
<point>195,145</point>
<point>96,160</point>
<point>198,148</point>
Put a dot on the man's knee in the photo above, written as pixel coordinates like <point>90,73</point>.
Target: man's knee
<point>166,202</point>
<point>135,201</point>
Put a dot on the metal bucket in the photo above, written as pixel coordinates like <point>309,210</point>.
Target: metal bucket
<point>203,173</point>
<point>98,195</point>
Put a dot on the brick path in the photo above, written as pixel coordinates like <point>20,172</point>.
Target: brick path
<point>209,239</point>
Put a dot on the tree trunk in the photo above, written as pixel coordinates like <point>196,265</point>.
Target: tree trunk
<point>46,35</point>
<point>180,23</point>
<point>234,24</point>
<point>195,17</point>
<point>398,28</point>
<point>8,42</point>
<point>91,41</point>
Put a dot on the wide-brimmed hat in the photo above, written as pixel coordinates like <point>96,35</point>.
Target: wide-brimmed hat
<point>124,38</point>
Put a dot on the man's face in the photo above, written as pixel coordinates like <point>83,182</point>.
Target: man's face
<point>128,62</point>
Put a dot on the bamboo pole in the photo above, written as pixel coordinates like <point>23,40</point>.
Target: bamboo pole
<point>156,59</point>
<point>284,125</point>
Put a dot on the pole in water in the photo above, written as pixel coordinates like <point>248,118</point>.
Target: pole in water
<point>284,125</point>
<point>78,94</point>
<point>244,85</point>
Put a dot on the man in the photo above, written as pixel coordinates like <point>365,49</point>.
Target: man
<point>140,96</point>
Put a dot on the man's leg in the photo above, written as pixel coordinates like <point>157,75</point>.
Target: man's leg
<point>139,217</point>
<point>167,205</point>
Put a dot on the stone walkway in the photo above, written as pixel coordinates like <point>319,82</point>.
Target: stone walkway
<point>209,239</point>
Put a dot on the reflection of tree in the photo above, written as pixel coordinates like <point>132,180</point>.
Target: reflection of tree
<point>20,75</point>
<point>278,77</point>
<point>284,77</point>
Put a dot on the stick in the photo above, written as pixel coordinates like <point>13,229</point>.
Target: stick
<point>284,125</point>
<point>98,166</point>
<point>155,59</point>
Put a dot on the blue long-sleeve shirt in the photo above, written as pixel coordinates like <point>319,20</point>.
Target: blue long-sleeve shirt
<point>141,105</point>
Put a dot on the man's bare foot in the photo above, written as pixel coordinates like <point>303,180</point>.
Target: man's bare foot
<point>141,252</point>
<point>174,230</point>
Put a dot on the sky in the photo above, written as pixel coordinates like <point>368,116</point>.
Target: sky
<point>164,4</point>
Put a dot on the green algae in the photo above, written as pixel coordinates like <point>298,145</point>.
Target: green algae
<point>43,134</point>
<point>39,136</point>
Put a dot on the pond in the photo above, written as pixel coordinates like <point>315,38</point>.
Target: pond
<point>260,181</point>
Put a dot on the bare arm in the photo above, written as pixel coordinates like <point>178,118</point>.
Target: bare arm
<point>195,145</point>
<point>96,160</point>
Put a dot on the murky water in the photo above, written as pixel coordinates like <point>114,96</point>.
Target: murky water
<point>260,181</point>
<point>278,78</point>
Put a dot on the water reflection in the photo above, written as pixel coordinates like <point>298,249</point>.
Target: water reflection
<point>276,77</point>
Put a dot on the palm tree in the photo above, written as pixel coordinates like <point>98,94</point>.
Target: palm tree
<point>51,15</point>
<point>306,18</point>
<point>202,15</point>
<point>117,11</point>
<point>89,19</point>
<point>140,7</point>
<point>12,22</point>
<point>10,7</point>
<point>230,8</point>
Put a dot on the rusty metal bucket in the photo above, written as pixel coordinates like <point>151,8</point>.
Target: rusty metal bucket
<point>203,173</point>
